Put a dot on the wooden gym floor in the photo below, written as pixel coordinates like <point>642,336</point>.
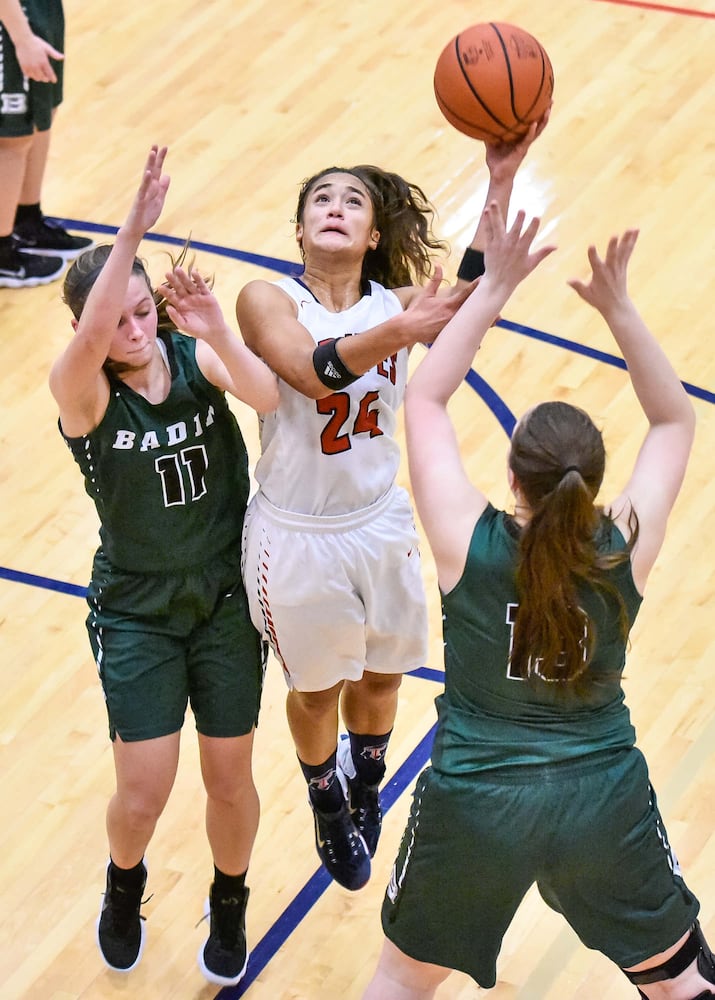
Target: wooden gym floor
<point>251,98</point>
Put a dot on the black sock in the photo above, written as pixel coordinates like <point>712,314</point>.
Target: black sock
<point>7,245</point>
<point>323,785</point>
<point>129,878</point>
<point>28,213</point>
<point>228,885</point>
<point>368,753</point>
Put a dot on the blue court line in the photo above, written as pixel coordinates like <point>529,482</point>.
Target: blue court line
<point>272,263</point>
<point>428,674</point>
<point>495,403</point>
<point>46,582</point>
<point>591,352</point>
<point>314,888</point>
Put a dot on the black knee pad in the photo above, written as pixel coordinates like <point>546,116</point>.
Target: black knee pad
<point>695,947</point>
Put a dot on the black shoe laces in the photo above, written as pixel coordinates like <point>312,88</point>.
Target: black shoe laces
<point>124,907</point>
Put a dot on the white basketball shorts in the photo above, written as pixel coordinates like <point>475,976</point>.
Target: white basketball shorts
<point>335,596</point>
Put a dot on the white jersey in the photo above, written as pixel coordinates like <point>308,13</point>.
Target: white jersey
<point>337,454</point>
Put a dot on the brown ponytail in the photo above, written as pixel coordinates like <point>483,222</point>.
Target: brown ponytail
<point>558,460</point>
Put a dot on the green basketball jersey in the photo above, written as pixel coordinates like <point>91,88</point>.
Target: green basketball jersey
<point>488,716</point>
<point>169,480</point>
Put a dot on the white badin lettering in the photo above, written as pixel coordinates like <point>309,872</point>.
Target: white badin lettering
<point>150,441</point>
<point>124,440</point>
<point>176,433</point>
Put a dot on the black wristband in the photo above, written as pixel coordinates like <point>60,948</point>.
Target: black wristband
<point>472,265</point>
<point>329,367</point>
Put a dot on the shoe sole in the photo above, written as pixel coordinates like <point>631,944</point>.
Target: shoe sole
<point>213,977</point>
<point>30,282</point>
<point>47,252</point>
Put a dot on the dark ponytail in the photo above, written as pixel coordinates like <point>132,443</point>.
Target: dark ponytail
<point>558,460</point>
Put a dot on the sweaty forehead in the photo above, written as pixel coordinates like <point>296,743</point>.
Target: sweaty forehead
<point>341,181</point>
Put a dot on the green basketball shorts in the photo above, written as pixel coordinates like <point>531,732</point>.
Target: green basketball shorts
<point>166,640</point>
<point>588,833</point>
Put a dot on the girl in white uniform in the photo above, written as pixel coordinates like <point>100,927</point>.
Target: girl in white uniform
<point>332,539</point>
<point>330,557</point>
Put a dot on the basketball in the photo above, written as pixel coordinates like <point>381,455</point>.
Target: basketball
<point>492,81</point>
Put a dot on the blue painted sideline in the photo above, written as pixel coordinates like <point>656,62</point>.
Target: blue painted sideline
<point>591,352</point>
<point>47,583</point>
<point>428,674</point>
<point>314,888</point>
<point>272,263</point>
<point>495,403</point>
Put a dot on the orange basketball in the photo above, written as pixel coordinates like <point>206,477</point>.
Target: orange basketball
<point>492,81</point>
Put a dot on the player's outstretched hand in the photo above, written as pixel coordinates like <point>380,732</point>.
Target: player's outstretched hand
<point>608,286</point>
<point>149,200</point>
<point>191,305</point>
<point>430,310</point>
<point>509,254</point>
<point>503,159</point>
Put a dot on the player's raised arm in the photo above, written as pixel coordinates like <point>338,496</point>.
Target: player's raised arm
<point>657,475</point>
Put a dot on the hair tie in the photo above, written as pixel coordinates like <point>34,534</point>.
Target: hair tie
<point>571,468</point>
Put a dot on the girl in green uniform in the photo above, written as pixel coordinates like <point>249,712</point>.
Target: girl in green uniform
<point>535,777</point>
<point>143,410</point>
